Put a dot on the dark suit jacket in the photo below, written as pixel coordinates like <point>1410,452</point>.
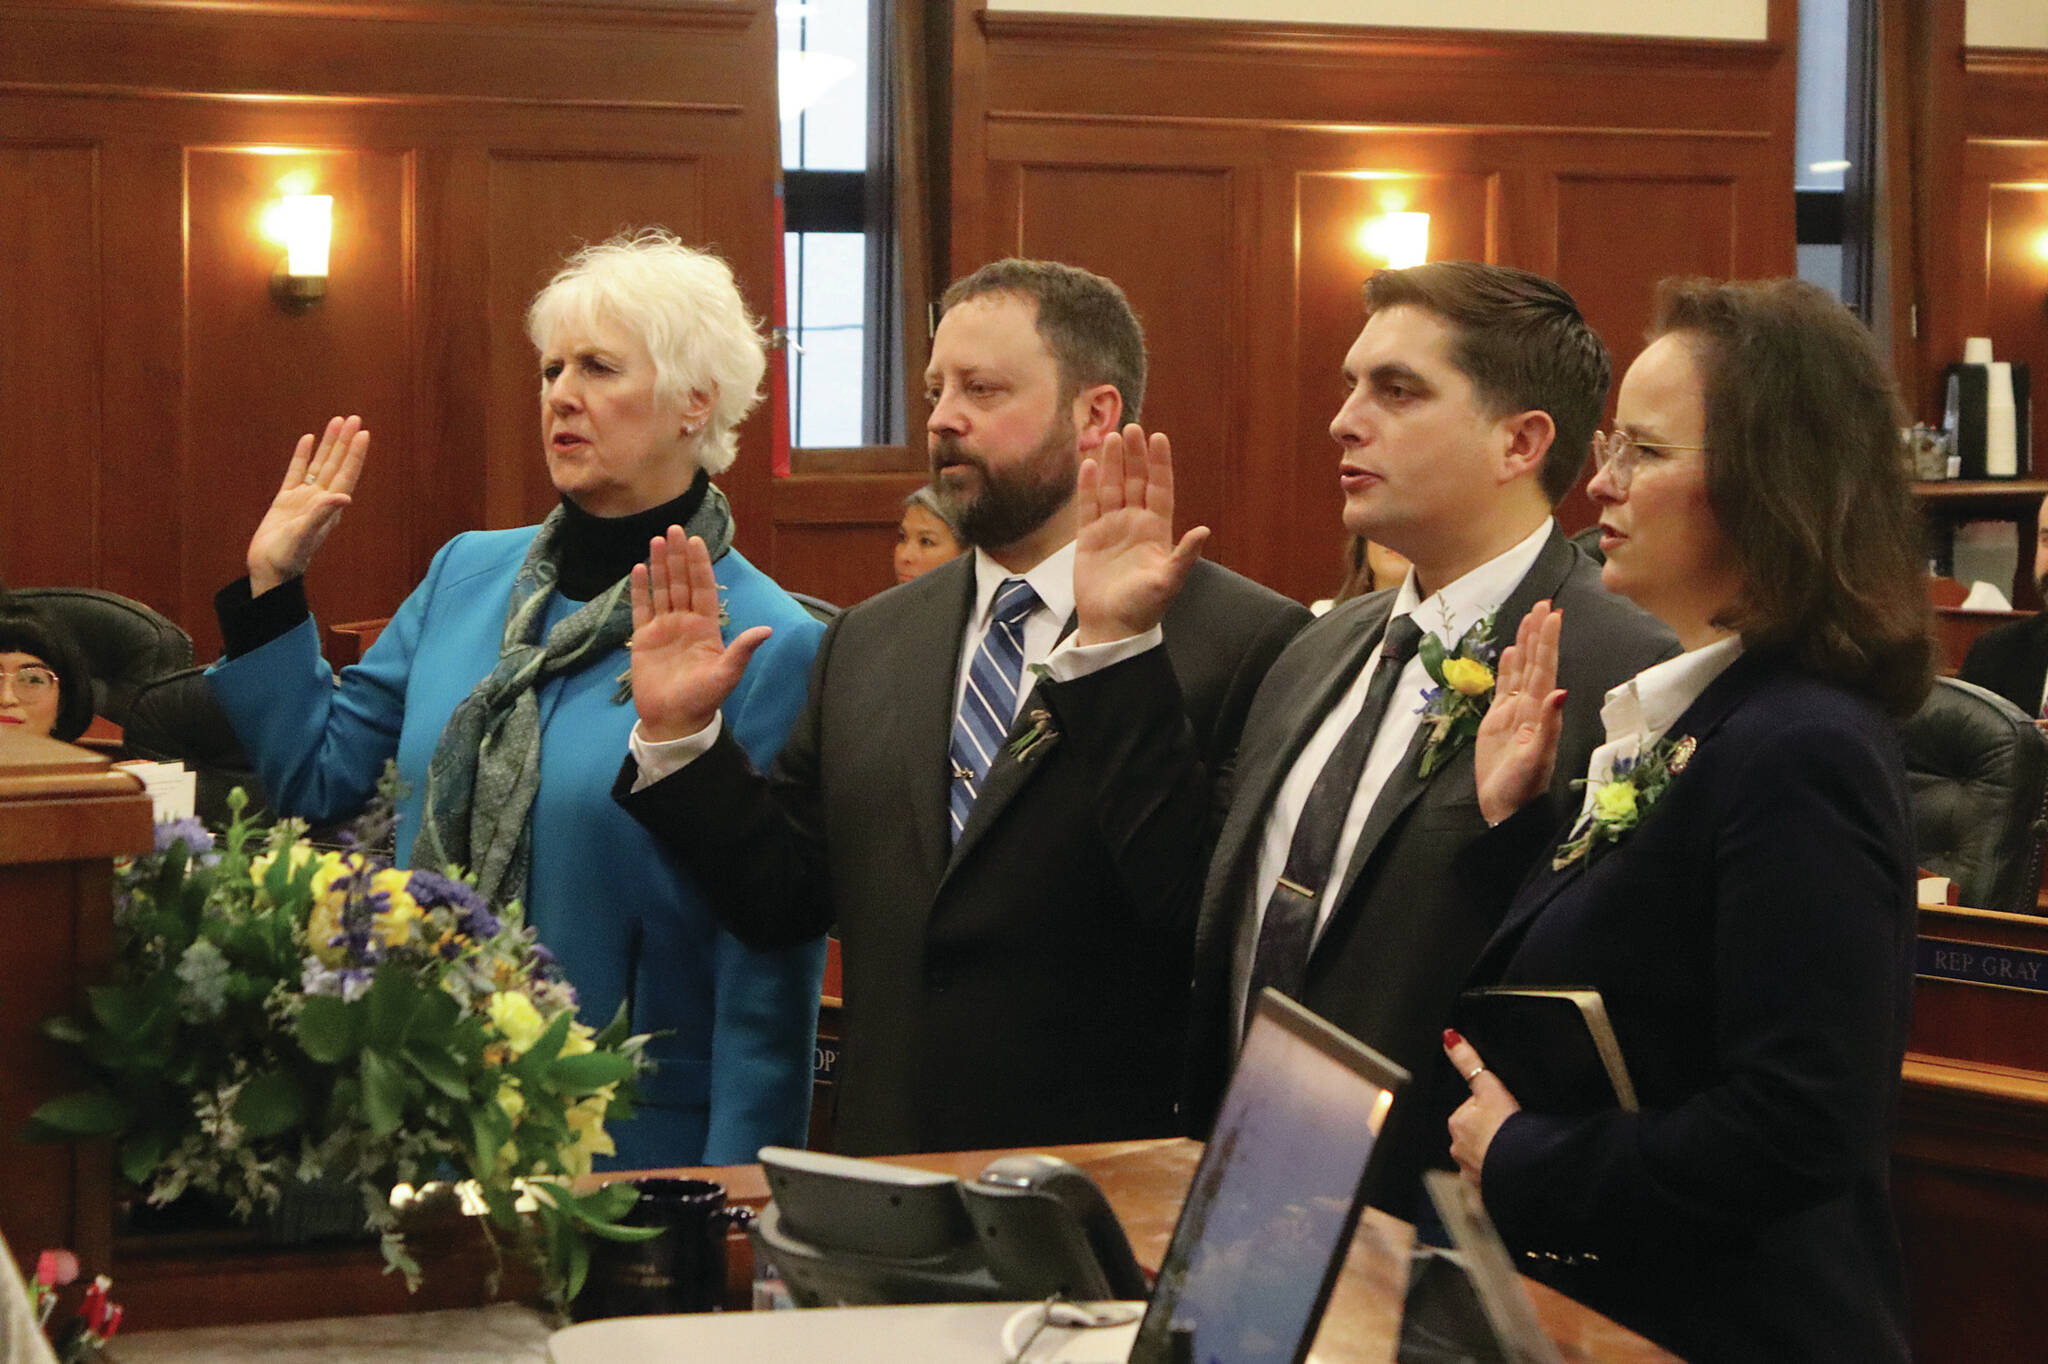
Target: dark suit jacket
<point>2012,660</point>
<point>1389,963</point>
<point>1028,985</point>
<point>1753,940</point>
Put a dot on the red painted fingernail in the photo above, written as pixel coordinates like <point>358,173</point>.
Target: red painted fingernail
<point>1451,1038</point>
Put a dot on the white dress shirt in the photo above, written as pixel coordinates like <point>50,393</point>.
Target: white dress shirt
<point>1637,713</point>
<point>1447,614</point>
<point>1046,647</point>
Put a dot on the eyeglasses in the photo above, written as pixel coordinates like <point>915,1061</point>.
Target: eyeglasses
<point>31,682</point>
<point>1616,454</point>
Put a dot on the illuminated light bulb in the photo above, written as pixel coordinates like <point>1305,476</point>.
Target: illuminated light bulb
<point>1399,239</point>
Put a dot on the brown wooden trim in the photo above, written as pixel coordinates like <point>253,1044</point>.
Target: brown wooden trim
<point>841,499</point>
<point>1227,121</point>
<point>862,459</point>
<point>1255,37</point>
<point>420,101</point>
<point>496,13</point>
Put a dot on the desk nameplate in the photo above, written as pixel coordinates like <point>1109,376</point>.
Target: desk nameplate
<point>1979,963</point>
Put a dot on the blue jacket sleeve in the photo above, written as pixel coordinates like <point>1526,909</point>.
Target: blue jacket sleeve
<point>767,1012</point>
<point>320,746</point>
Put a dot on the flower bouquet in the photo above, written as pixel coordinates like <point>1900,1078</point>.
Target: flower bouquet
<point>280,1015</point>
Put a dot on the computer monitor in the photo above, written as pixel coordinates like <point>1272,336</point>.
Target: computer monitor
<point>1275,1201</point>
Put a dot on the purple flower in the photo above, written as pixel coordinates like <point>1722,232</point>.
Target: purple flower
<point>347,984</point>
<point>188,831</point>
<point>472,912</point>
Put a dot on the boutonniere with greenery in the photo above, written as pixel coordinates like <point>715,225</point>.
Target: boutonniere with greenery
<point>1041,735</point>
<point>1452,709</point>
<point>1625,797</point>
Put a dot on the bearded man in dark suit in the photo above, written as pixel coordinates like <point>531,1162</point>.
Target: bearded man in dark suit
<point>956,797</point>
<point>2012,660</point>
<point>1474,393</point>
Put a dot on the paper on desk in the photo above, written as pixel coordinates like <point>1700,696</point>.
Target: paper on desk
<point>1984,597</point>
<point>173,791</point>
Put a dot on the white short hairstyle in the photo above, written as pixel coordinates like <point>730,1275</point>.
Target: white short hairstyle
<point>686,309</point>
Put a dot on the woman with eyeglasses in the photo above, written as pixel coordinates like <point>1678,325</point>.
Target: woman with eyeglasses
<point>44,685</point>
<point>1739,881</point>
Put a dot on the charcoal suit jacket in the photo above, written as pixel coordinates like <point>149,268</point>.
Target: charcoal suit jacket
<point>1395,952</point>
<point>1028,985</point>
<point>2011,660</point>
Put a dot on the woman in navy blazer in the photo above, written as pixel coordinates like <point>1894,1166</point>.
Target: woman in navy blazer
<point>1739,883</point>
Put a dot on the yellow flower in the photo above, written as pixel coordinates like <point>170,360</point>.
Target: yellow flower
<point>511,1100</point>
<point>393,924</point>
<point>587,1137</point>
<point>260,865</point>
<point>515,1018</point>
<point>579,1040</point>
<point>1615,802</point>
<point>1468,676</point>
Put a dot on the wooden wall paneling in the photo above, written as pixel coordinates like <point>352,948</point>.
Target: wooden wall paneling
<point>540,209</point>
<point>49,371</point>
<point>259,374</point>
<point>1180,275</point>
<point>1331,267</point>
<point>835,533</point>
<point>142,518</point>
<point>2015,304</point>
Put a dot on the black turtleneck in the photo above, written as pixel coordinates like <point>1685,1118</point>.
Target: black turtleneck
<point>597,551</point>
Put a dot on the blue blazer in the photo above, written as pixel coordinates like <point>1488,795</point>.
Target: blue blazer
<point>1752,938</point>
<point>625,920</point>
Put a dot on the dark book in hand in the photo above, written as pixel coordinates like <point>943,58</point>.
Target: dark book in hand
<point>1554,1049</point>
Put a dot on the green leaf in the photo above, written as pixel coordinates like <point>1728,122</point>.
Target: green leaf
<point>140,1155</point>
<point>549,1044</point>
<point>612,1231</point>
<point>64,1028</point>
<point>326,1030</point>
<point>588,1073</point>
<point>392,1000</point>
<point>1431,650</point>
<point>383,1093</point>
<point>126,1012</point>
<point>270,1102</point>
<point>440,1069</point>
<point>615,1031</point>
<point>609,1202</point>
<point>88,1113</point>
<point>437,1016</point>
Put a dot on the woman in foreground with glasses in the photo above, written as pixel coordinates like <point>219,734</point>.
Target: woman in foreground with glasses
<point>44,686</point>
<point>1739,883</point>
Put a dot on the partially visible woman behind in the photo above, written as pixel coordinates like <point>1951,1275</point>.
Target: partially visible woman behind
<point>44,685</point>
<point>499,687</point>
<point>1739,883</point>
<point>926,537</point>
<point>1368,567</point>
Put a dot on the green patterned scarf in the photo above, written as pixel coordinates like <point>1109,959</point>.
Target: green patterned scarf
<point>486,769</point>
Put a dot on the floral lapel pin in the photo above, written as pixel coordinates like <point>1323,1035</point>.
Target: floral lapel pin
<point>1041,735</point>
<point>1625,797</point>
<point>1452,709</point>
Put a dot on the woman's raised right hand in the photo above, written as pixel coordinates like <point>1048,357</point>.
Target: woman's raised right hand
<point>308,504</point>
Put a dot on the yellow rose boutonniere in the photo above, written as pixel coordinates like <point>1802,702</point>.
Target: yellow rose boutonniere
<point>1452,709</point>
<point>1622,801</point>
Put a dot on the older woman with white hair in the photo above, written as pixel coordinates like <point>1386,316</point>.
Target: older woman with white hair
<point>499,688</point>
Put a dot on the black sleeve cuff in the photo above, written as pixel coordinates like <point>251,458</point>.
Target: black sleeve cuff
<point>248,623</point>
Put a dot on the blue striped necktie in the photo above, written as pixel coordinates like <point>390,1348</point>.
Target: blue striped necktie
<point>989,702</point>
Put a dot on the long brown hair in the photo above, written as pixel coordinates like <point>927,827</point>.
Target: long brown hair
<point>1804,475</point>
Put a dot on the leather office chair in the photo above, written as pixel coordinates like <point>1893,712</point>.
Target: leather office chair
<point>177,719</point>
<point>125,643</point>
<point>1977,776</point>
<point>819,608</point>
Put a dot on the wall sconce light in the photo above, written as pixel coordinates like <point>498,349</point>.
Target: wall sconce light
<point>304,225</point>
<point>1399,239</point>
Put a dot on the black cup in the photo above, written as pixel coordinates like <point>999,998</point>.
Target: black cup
<point>681,1270</point>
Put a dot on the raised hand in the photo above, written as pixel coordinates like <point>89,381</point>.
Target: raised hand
<point>308,504</point>
<point>1516,751</point>
<point>682,667</point>
<point>1127,568</point>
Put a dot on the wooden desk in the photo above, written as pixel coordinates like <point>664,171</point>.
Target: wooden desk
<point>1970,1158</point>
<point>1145,1182</point>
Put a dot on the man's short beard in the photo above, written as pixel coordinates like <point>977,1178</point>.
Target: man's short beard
<point>1012,504</point>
